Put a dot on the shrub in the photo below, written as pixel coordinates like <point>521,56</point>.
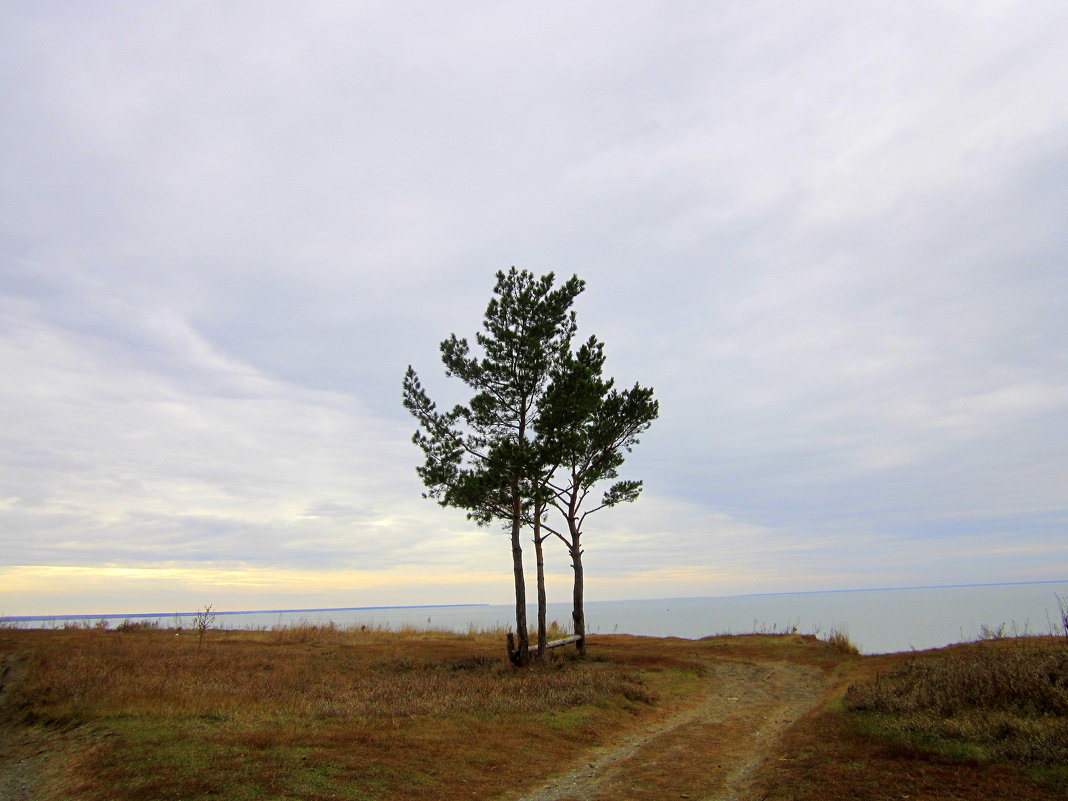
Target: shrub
<point>203,620</point>
<point>137,625</point>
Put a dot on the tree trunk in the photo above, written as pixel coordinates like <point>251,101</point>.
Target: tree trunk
<point>522,652</point>
<point>578,612</point>
<point>538,540</point>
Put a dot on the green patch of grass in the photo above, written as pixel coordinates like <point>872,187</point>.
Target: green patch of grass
<point>567,719</point>
<point>149,758</point>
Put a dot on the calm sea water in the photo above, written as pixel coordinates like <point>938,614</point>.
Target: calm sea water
<point>878,621</point>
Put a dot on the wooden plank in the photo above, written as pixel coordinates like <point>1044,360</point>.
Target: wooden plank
<point>533,648</point>
<point>565,641</point>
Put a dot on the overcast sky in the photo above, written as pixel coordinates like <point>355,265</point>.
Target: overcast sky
<point>831,235</point>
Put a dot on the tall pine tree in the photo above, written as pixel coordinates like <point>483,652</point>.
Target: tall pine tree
<point>588,426</point>
<point>480,456</point>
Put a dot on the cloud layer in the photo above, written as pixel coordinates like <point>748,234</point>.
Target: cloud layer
<point>830,237</point>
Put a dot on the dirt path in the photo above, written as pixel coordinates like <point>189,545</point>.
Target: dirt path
<point>18,758</point>
<point>709,752</point>
<point>28,756</point>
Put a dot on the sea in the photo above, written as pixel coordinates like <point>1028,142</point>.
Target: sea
<point>886,620</point>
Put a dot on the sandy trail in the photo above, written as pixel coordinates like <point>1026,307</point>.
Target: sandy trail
<point>28,756</point>
<point>20,760</point>
<point>709,752</point>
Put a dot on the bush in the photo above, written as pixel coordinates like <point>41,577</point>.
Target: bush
<point>137,625</point>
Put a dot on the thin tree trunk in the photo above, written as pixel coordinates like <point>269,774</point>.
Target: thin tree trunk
<point>578,612</point>
<point>521,656</point>
<point>522,652</point>
<point>538,540</point>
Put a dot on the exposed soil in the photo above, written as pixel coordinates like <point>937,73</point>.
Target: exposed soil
<point>20,760</point>
<point>29,756</point>
<point>709,752</point>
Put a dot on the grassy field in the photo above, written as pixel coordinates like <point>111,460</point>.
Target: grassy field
<point>321,713</point>
<point>317,713</point>
<point>979,721</point>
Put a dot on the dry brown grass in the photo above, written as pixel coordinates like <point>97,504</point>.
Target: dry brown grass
<point>917,746</point>
<point>245,677</point>
<point>1005,700</point>
<point>826,758</point>
<point>317,712</point>
<point>312,711</point>
<point>840,641</point>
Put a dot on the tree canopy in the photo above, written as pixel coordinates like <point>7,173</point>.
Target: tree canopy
<point>588,426</point>
<point>542,430</point>
<point>479,456</point>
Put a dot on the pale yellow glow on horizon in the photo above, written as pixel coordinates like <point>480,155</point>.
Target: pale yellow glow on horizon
<point>30,577</point>
<point>57,589</point>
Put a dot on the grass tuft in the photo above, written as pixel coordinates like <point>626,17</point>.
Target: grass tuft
<point>839,640</point>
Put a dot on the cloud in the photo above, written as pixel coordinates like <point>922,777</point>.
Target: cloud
<point>831,239</point>
<point>171,429</point>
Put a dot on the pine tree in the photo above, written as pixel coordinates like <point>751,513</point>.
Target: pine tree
<point>587,426</point>
<point>481,457</point>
